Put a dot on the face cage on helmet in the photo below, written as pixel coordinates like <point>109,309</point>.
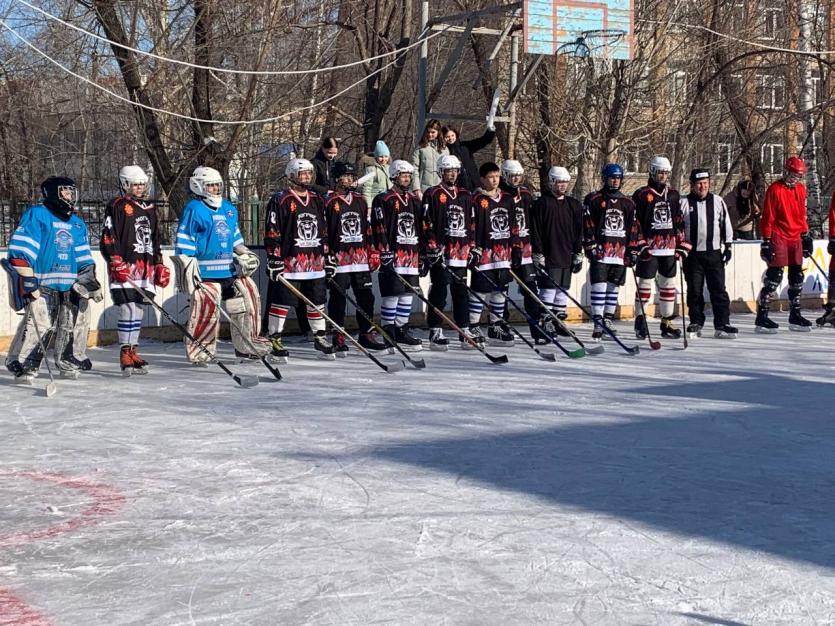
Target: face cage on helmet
<point>351,185</point>
<point>73,193</point>
<point>128,184</point>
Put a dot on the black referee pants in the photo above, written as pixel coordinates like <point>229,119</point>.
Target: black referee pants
<point>701,267</point>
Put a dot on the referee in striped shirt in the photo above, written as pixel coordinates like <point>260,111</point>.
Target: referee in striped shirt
<point>707,226</point>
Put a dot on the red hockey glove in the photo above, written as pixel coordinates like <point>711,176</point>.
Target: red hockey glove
<point>373,259</point>
<point>119,270</point>
<point>162,275</point>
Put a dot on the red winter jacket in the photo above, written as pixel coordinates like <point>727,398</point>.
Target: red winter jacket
<point>784,211</point>
<point>832,218</point>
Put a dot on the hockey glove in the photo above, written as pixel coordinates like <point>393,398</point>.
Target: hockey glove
<point>331,263</point>
<point>434,255</point>
<point>516,258</point>
<point>808,245</point>
<point>831,247</point>
<point>87,286</point>
<point>162,275</point>
<point>539,260</point>
<point>373,259</point>
<point>644,253</point>
<point>475,257</point>
<point>592,251</point>
<point>24,283</point>
<point>187,272</point>
<point>275,268</point>
<point>576,263</point>
<point>767,251</point>
<point>726,255</point>
<point>683,249</point>
<point>425,266</point>
<point>631,257</point>
<point>246,262</point>
<point>387,259</point>
<point>119,270</point>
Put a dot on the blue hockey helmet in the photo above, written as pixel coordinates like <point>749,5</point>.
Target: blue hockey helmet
<point>611,170</point>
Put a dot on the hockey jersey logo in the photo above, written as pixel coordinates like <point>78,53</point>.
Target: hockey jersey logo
<point>456,225</point>
<point>351,227</point>
<point>614,223</point>
<point>499,224</point>
<point>63,239</point>
<point>307,231</point>
<point>406,233</point>
<point>144,243</point>
<point>522,222</point>
<point>662,216</point>
<point>222,230</point>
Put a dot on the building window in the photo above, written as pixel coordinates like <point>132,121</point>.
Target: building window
<point>770,92</point>
<point>774,22</point>
<point>678,88</point>
<point>772,158</point>
<point>723,158</point>
<point>632,160</point>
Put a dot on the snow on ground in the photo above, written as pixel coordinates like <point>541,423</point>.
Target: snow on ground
<point>675,487</point>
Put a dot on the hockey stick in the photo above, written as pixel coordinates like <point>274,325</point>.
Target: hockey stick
<point>50,389</point>
<point>632,350</point>
<point>502,358</point>
<point>243,381</point>
<point>683,321</point>
<point>820,269</point>
<point>655,345</point>
<point>462,281</point>
<point>273,370</point>
<point>574,354</point>
<point>416,363</point>
<point>394,367</point>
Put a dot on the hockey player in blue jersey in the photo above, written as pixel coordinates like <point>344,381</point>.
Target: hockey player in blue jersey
<point>52,277</point>
<point>214,265</point>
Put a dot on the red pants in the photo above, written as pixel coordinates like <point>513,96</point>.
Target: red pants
<point>786,251</point>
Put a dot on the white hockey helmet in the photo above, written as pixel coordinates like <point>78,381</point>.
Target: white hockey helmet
<point>558,174</point>
<point>296,167</point>
<point>132,175</point>
<point>511,167</point>
<point>398,167</point>
<point>200,179</point>
<point>448,162</point>
<point>659,164</point>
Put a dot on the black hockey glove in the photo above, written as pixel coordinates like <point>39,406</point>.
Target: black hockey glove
<point>331,263</point>
<point>516,258</point>
<point>434,255</point>
<point>539,260</point>
<point>726,255</point>
<point>591,251</point>
<point>576,263</point>
<point>475,257</point>
<point>767,251</point>
<point>683,249</point>
<point>275,268</point>
<point>808,245</point>
<point>425,265</point>
<point>831,247</point>
<point>387,260</point>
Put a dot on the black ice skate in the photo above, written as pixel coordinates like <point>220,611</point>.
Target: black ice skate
<point>339,346</point>
<point>609,324</point>
<point>694,330</point>
<point>437,341</point>
<point>828,317</point>
<point>499,335</point>
<point>406,340</point>
<point>279,353</point>
<point>797,322</point>
<point>668,331</point>
<point>597,333</point>
<point>323,346</point>
<point>369,341</point>
<point>641,330</point>
<point>725,332</point>
<point>763,324</point>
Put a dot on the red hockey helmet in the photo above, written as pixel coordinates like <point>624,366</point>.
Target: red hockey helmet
<point>795,165</point>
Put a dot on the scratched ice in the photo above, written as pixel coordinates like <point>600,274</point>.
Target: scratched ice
<point>676,487</point>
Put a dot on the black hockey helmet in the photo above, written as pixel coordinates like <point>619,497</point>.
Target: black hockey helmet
<point>59,194</point>
<point>341,168</point>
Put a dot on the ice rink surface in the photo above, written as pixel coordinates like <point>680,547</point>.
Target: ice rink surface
<point>674,487</point>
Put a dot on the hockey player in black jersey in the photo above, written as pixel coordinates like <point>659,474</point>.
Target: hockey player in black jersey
<point>349,261</point>
<point>296,241</point>
<point>130,243</point>
<point>398,237</point>
<point>611,239</point>
<point>448,228</point>
<point>557,239</point>
<point>658,208</point>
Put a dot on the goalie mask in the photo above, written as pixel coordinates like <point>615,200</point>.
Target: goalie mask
<point>345,175</point>
<point>207,184</point>
<point>60,194</point>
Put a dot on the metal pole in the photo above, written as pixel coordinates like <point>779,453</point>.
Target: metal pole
<point>514,78</point>
<point>810,153</point>
<point>423,62</point>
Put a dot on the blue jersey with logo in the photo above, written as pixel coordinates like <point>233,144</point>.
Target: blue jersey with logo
<point>210,235</point>
<point>55,249</point>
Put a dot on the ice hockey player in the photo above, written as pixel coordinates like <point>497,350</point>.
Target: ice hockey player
<point>130,243</point>
<point>351,257</point>
<point>214,265</point>
<point>828,317</point>
<point>495,236</point>
<point>557,238</point>
<point>296,241</point>
<point>709,229</point>
<point>658,208</point>
<point>448,229</point>
<point>512,183</point>
<point>53,278</point>
<point>398,237</point>
<point>786,241</point>
<point>612,240</point>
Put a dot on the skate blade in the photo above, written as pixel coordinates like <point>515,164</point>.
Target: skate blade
<point>765,331</point>
<point>407,348</point>
<point>127,372</point>
<point>325,357</point>
<point>434,347</point>
<point>723,335</point>
<point>498,343</point>
<point>342,354</point>
<point>70,374</point>
<point>800,329</point>
<point>142,371</point>
<point>25,380</point>
<point>695,335</point>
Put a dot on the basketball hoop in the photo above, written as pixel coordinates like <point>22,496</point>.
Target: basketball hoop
<point>593,43</point>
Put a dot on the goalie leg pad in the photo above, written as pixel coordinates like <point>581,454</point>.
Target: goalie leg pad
<point>203,322</point>
<point>25,349</point>
<point>245,309</point>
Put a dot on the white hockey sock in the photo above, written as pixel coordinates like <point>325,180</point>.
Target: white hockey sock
<point>315,319</point>
<point>475,309</point>
<point>277,317</point>
<point>644,293</point>
<point>388,310</point>
<point>497,303</point>
<point>666,295</point>
<point>560,306</point>
<point>611,297</point>
<point>130,323</point>
<point>404,309</point>
<point>598,299</point>
<point>547,295</point>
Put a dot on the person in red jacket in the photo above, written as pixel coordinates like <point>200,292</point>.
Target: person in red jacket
<point>786,241</point>
<point>829,315</point>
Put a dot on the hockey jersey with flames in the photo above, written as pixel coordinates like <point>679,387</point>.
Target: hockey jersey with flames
<point>610,227</point>
<point>297,232</point>
<point>131,232</point>
<point>55,249</point>
<point>210,235</point>
<point>396,227</point>
<point>496,229</point>
<point>448,222</point>
<point>349,231</point>
<point>523,201</point>
<point>661,219</point>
